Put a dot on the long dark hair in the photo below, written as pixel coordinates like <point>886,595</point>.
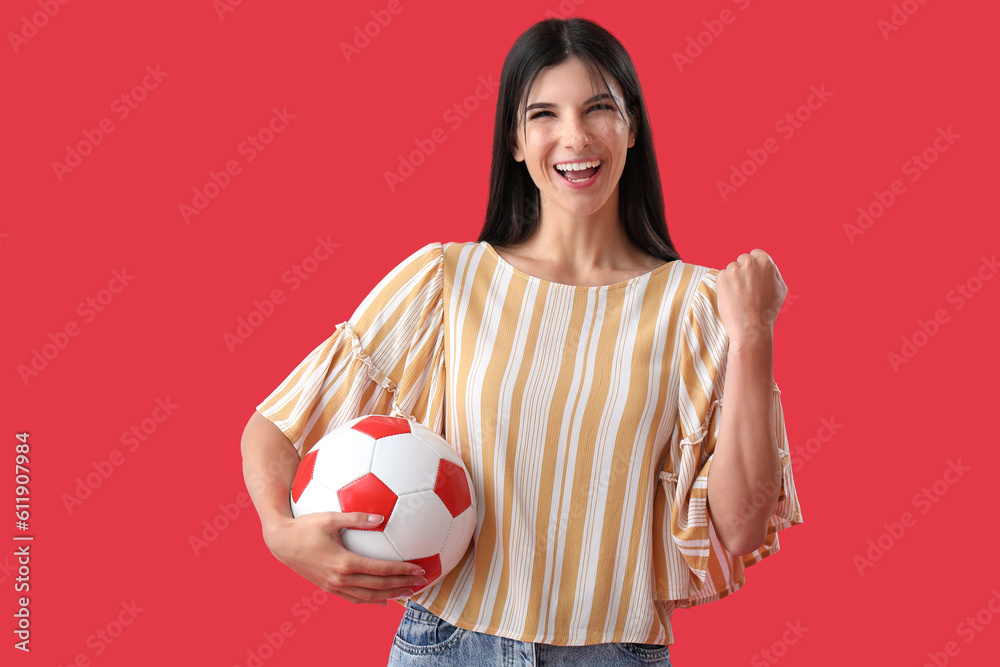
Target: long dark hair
<point>514,206</point>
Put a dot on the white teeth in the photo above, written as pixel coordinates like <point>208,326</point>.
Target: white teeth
<point>578,166</point>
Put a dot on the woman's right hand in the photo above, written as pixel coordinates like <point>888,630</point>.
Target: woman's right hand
<point>310,544</point>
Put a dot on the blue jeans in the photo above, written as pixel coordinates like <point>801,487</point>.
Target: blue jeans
<point>425,639</point>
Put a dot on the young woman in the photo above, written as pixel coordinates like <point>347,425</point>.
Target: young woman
<point>578,366</point>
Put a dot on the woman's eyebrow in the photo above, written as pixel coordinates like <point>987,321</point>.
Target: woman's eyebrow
<point>548,105</point>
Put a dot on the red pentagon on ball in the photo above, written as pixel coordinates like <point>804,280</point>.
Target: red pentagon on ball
<point>431,566</point>
<point>452,488</point>
<point>368,494</point>
<point>303,475</point>
<point>378,426</point>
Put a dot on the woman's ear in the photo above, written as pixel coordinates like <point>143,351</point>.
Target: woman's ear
<point>515,149</point>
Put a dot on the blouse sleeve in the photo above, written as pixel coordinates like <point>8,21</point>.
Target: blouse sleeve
<point>388,358</point>
<point>692,567</point>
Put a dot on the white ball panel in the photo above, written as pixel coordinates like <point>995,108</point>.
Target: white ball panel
<point>437,443</point>
<point>419,525</point>
<point>462,530</point>
<point>405,464</point>
<point>369,543</point>
<point>316,498</point>
<point>345,455</point>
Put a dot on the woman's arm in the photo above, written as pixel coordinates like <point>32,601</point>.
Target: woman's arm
<point>269,465</point>
<point>744,480</point>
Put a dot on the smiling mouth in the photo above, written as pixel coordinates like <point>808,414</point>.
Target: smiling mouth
<point>579,172</point>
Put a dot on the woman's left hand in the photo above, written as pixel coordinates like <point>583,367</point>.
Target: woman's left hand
<point>750,292</point>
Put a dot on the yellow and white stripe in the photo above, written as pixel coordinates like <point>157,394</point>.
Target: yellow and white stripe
<point>587,417</point>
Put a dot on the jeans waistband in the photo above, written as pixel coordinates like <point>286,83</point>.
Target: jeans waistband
<point>419,612</point>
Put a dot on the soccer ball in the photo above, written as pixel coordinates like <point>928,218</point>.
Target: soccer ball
<point>402,470</point>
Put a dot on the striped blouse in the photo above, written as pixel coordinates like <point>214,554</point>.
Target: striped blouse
<point>587,418</point>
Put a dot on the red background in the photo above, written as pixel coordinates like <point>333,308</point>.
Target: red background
<point>850,304</point>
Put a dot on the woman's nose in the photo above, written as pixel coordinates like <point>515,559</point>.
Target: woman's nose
<point>575,134</point>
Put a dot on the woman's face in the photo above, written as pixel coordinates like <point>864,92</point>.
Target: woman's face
<point>566,124</point>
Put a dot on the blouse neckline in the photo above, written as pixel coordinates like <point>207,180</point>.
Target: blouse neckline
<point>613,286</point>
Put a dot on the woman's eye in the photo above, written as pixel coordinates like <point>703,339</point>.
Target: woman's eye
<point>596,106</point>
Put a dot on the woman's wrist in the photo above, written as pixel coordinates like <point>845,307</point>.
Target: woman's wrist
<point>757,344</point>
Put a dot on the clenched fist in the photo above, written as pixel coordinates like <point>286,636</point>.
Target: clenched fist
<point>751,292</point>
